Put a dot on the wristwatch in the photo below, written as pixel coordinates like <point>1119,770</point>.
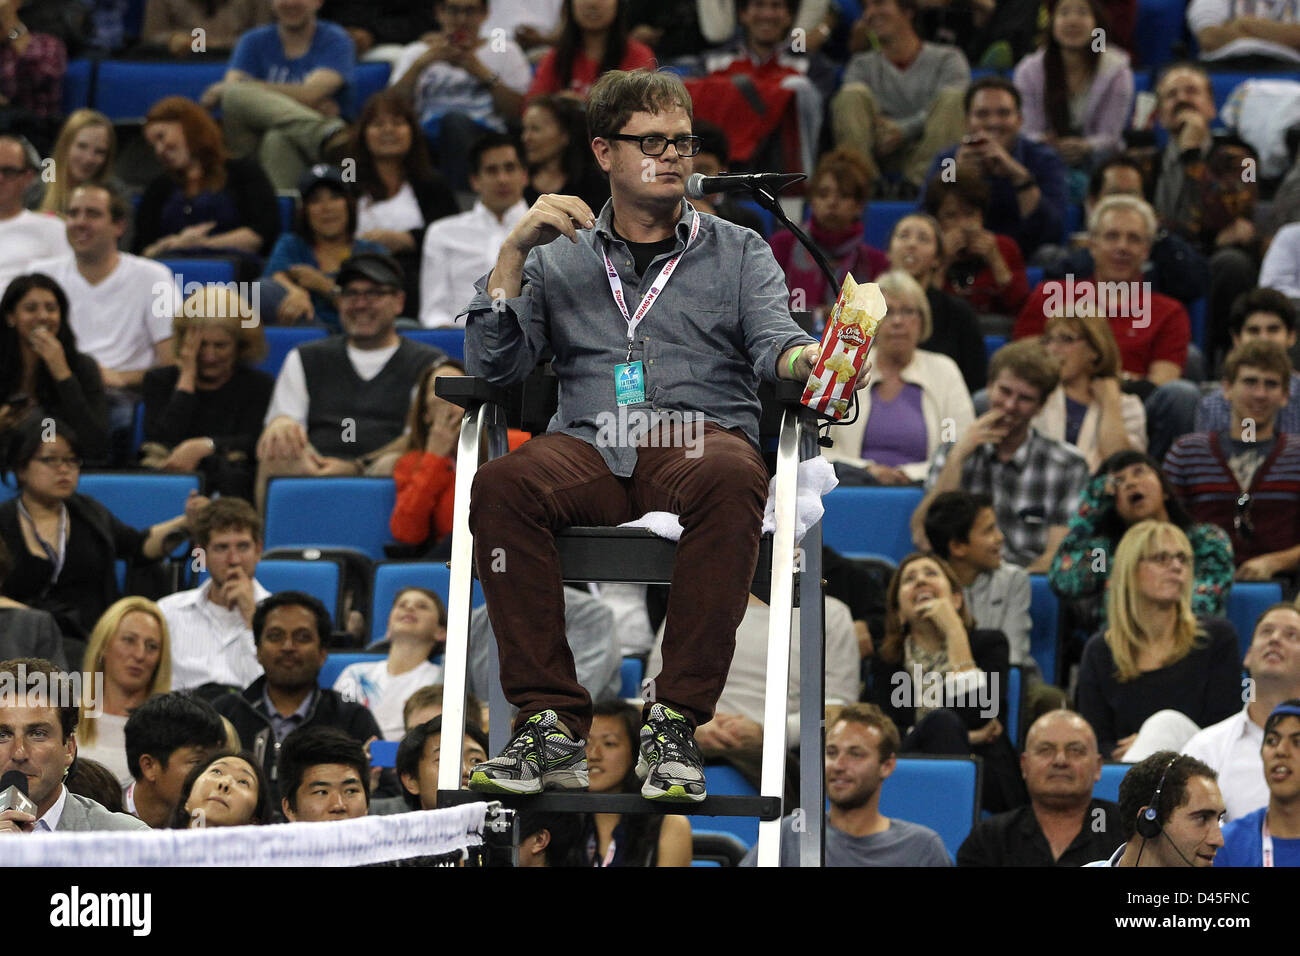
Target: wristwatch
<point>17,31</point>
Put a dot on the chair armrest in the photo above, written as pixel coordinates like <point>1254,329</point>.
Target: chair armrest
<point>469,392</point>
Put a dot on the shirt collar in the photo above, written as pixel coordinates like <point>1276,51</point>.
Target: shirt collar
<point>605,222</point>
<point>511,216</point>
<point>49,822</point>
<point>303,709</point>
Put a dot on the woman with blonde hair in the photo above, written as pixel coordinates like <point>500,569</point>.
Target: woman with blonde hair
<point>1158,673</point>
<point>1088,410</point>
<point>914,394</point>
<point>205,412</point>
<point>83,153</point>
<point>131,649</point>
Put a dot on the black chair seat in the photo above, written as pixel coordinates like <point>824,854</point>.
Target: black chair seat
<point>634,555</point>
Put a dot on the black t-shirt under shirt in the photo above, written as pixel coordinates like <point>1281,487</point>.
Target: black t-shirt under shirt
<point>644,253</point>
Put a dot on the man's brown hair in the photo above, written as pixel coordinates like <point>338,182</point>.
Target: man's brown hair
<point>1027,360</point>
<point>1268,356</point>
<point>22,669</point>
<point>227,514</point>
<point>869,715</point>
<point>620,93</point>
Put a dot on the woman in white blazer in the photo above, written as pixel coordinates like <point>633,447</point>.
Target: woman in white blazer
<point>918,398</point>
<point>1087,409</point>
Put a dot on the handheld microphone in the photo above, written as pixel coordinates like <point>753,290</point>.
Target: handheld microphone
<point>698,185</point>
<point>13,793</point>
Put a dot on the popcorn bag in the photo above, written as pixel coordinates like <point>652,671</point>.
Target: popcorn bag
<point>857,314</point>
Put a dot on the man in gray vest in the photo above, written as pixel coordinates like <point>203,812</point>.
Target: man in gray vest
<point>341,402</point>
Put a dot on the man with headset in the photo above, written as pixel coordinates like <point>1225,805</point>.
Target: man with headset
<point>1169,810</point>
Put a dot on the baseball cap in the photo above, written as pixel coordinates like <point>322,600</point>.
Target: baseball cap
<point>321,173</point>
<point>378,267</point>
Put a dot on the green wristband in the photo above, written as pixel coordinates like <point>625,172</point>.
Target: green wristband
<point>794,358</point>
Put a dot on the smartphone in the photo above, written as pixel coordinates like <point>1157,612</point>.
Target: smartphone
<point>383,753</point>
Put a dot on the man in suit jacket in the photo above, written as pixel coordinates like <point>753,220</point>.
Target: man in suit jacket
<point>38,722</point>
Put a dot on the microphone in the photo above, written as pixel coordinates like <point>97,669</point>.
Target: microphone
<point>698,185</point>
<point>13,793</point>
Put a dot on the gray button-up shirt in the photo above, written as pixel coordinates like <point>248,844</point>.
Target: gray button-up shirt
<point>719,325</point>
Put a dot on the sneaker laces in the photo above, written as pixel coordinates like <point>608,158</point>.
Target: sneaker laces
<point>677,741</point>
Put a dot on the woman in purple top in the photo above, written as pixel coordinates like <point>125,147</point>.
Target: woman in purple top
<point>840,186</point>
<point>916,399</point>
<point>1076,94</point>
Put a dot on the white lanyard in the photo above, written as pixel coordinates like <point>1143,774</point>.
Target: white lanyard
<point>1266,840</point>
<point>616,284</point>
<point>56,556</point>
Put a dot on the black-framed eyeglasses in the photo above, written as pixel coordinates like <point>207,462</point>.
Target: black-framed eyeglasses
<point>1241,522</point>
<point>654,144</point>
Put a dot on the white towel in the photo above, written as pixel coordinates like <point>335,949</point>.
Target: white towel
<point>816,477</point>
<point>1261,111</point>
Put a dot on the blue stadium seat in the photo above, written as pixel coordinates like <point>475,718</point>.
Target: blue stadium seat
<point>320,579</point>
<point>1222,83</point>
<point>335,663</point>
<point>124,91</point>
<point>765,216</point>
<point>202,271</point>
<point>992,343</point>
<point>870,519</point>
<point>1107,788</point>
<point>1159,26</point>
<point>76,84</point>
<point>330,513</point>
<point>368,79</point>
<point>871,556</point>
<point>140,499</point>
<point>941,793</point>
<point>878,221</point>
<point>1074,221</point>
<point>1246,602</point>
<point>451,341</point>
<point>393,576</point>
<point>137,430</point>
<point>283,339</point>
<point>630,673</point>
<point>1196,319</point>
<point>6,491</point>
<point>725,779</point>
<point>287,204</point>
<point>1045,618</point>
<point>1034,275</point>
<point>1015,700</point>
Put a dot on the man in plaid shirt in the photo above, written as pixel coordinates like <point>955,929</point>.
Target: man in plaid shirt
<point>1034,481</point>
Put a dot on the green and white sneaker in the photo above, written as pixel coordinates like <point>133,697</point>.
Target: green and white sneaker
<point>543,755</point>
<point>670,761</point>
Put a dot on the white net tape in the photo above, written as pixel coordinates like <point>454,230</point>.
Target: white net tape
<point>357,842</point>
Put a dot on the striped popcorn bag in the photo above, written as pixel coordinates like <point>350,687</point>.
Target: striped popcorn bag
<point>857,314</point>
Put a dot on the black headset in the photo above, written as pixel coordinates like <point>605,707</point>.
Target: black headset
<point>1148,823</point>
